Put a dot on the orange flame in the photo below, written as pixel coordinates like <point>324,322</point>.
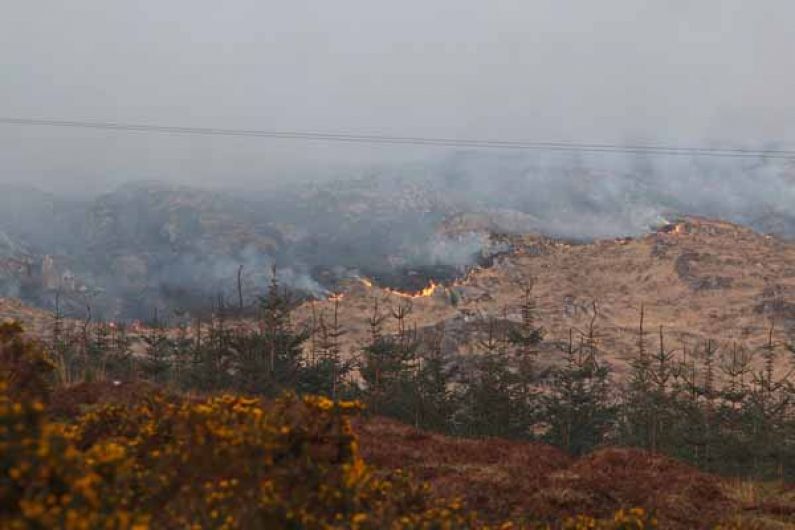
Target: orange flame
<point>428,291</point>
<point>424,293</point>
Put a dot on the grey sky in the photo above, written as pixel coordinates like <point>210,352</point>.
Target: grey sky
<point>673,71</point>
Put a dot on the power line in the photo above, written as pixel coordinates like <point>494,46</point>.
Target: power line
<point>415,140</point>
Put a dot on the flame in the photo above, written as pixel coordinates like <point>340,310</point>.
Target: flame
<point>424,293</point>
<point>677,228</point>
<point>428,291</point>
<point>335,297</point>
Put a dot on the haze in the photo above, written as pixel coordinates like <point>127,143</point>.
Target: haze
<point>688,73</point>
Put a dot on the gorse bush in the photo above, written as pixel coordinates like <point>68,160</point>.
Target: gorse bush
<point>25,366</point>
<point>47,482</point>
<point>224,462</point>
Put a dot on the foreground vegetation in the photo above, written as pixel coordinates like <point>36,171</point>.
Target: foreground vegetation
<point>220,462</point>
<point>250,427</point>
<point>155,459</point>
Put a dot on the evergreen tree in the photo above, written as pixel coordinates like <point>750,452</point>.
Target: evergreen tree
<point>325,371</point>
<point>62,348</point>
<point>525,340</point>
<point>212,361</point>
<point>386,367</point>
<point>636,424</point>
<point>661,399</point>
<point>436,397</point>
<point>577,410</point>
<point>182,350</point>
<point>157,362</point>
<point>733,453</point>
<point>121,364</point>
<point>98,350</point>
<point>709,435</point>
<point>769,416</point>
<point>271,360</point>
<point>489,398</point>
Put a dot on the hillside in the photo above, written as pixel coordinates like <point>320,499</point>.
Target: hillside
<point>37,322</point>
<point>698,278</point>
<point>153,245</point>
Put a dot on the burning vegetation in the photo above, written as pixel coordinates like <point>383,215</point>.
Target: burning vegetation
<point>678,228</point>
<point>422,293</point>
<point>371,287</point>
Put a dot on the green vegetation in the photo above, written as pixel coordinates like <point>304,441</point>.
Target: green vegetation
<point>224,462</point>
<point>727,410</point>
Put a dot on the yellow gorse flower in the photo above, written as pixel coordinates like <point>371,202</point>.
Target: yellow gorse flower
<point>224,462</point>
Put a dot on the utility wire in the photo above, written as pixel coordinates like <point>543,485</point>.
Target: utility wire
<point>415,140</point>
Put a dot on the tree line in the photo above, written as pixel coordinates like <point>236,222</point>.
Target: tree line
<point>725,408</point>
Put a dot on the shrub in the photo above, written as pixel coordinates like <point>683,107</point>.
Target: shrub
<point>222,462</point>
<point>24,365</point>
<point>227,461</point>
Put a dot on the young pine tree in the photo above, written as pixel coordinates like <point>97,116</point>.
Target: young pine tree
<point>578,409</point>
<point>325,371</point>
<point>637,406</point>
<point>491,400</point>
<point>157,362</point>
<point>436,375</point>
<point>525,340</point>
<point>769,417</point>
<point>386,367</point>
<point>271,360</point>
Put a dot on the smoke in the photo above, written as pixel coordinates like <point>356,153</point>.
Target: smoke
<point>456,251</point>
<point>679,73</point>
<point>149,245</point>
<point>210,275</point>
<point>621,71</point>
<point>607,195</point>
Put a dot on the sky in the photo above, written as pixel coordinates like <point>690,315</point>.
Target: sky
<point>712,72</point>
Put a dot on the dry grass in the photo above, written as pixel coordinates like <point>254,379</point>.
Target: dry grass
<point>620,275</point>
<point>762,505</point>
